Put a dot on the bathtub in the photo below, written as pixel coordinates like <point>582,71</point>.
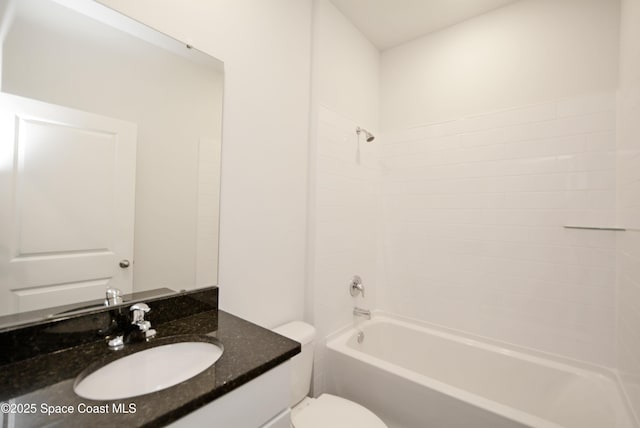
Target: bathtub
<point>415,375</point>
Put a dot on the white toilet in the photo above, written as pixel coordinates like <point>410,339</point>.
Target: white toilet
<point>327,410</point>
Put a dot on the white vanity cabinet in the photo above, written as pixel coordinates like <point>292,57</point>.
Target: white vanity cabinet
<point>261,403</point>
<point>282,420</point>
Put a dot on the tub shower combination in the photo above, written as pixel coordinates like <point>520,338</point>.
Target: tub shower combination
<point>414,375</point>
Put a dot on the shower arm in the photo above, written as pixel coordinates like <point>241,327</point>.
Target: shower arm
<point>369,137</point>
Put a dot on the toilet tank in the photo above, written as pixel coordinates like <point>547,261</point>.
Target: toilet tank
<point>301,364</point>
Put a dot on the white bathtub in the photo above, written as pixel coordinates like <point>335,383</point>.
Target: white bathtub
<point>418,376</point>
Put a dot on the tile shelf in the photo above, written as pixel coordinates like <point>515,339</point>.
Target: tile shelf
<point>614,229</point>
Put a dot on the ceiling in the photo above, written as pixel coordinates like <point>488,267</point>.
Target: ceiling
<point>388,23</point>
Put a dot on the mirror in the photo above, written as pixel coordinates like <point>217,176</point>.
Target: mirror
<point>109,157</point>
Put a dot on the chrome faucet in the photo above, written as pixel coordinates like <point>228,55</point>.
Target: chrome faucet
<point>139,310</point>
<point>138,330</point>
<point>364,313</point>
<point>113,297</point>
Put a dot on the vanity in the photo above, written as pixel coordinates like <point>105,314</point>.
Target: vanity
<point>248,386</point>
<point>111,132</point>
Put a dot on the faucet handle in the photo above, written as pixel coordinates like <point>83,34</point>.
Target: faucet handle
<point>138,310</point>
<point>140,306</point>
<point>356,286</point>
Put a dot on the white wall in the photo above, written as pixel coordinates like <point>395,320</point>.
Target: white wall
<point>628,248</point>
<point>517,108</point>
<point>266,50</point>
<point>344,174</point>
<point>528,52</point>
<point>346,67</point>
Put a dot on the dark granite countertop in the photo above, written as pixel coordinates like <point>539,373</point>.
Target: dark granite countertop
<point>47,379</point>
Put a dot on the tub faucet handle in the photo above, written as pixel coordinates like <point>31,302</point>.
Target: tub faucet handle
<point>356,286</point>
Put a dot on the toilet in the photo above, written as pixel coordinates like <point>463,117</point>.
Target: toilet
<point>327,410</point>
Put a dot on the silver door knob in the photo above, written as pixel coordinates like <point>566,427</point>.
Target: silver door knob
<point>124,263</point>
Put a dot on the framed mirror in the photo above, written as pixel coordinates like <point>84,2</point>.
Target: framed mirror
<point>110,142</point>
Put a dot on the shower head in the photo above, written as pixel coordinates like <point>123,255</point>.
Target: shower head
<point>368,135</point>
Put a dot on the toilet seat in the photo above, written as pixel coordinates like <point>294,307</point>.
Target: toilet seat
<point>335,412</point>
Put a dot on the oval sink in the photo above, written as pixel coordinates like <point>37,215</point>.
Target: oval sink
<point>148,371</point>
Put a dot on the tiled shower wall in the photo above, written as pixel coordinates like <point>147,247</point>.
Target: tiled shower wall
<point>346,222</point>
<point>628,301</point>
<point>473,214</point>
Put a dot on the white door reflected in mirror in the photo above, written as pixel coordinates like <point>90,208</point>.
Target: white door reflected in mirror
<point>67,188</point>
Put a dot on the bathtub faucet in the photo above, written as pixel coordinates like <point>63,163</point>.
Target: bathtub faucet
<point>364,313</point>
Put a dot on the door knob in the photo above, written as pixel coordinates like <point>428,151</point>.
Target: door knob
<point>124,263</point>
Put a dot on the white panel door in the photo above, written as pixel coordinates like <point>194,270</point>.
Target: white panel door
<point>67,190</point>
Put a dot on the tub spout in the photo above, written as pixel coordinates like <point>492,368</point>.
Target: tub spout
<point>364,313</point>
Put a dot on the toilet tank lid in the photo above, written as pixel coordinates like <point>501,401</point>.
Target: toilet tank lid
<point>298,331</point>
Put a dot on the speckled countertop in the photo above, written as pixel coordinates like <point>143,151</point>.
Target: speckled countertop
<point>47,379</point>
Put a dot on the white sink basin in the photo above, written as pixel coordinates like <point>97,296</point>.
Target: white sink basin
<point>148,371</point>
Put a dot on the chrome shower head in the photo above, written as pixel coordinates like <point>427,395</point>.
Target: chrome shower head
<point>368,135</point>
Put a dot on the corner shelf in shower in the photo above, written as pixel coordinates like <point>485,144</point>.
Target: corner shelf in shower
<point>614,229</point>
